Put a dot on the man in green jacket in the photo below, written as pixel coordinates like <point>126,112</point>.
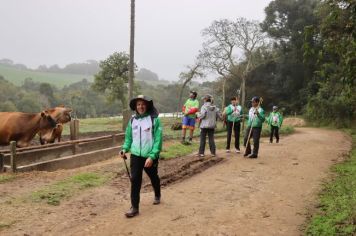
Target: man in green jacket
<point>275,120</point>
<point>143,138</point>
<point>234,114</point>
<point>190,108</point>
<point>256,117</point>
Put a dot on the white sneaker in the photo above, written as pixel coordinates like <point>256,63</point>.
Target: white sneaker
<point>227,150</point>
<point>237,150</point>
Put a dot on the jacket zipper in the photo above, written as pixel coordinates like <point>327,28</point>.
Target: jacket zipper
<point>140,141</point>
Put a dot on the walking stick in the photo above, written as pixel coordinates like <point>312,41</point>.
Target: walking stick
<point>250,132</point>
<point>127,169</point>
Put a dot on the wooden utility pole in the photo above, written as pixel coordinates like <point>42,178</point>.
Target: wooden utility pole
<point>126,113</point>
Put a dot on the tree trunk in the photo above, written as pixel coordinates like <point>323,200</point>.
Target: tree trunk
<point>180,96</point>
<point>223,94</point>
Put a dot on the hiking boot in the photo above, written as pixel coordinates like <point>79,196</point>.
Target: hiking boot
<point>246,154</point>
<point>132,212</point>
<point>190,141</point>
<point>199,155</point>
<point>157,200</point>
<point>227,150</point>
<point>237,150</point>
<point>252,156</point>
<point>213,155</point>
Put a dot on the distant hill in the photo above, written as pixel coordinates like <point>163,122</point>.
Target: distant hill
<point>17,76</point>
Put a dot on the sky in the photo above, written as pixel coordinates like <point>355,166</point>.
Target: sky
<point>168,32</point>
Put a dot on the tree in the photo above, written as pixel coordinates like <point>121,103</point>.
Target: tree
<point>186,77</point>
<point>113,77</point>
<point>223,40</point>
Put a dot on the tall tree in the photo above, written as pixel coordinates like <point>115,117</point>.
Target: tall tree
<point>113,77</point>
<point>224,39</point>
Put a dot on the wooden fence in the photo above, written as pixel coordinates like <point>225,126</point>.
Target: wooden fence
<point>62,155</point>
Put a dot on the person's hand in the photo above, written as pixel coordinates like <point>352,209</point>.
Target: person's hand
<point>148,163</point>
<point>122,154</point>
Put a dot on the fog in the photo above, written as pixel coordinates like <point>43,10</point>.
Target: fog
<point>168,33</point>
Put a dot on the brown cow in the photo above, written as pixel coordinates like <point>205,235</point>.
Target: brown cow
<point>49,136</point>
<point>22,127</point>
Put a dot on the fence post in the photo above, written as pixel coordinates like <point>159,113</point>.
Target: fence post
<point>113,140</point>
<point>74,129</point>
<point>13,156</point>
<point>1,162</point>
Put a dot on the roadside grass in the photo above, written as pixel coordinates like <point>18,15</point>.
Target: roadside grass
<point>337,212</point>
<point>4,225</point>
<point>53,194</point>
<point>4,178</point>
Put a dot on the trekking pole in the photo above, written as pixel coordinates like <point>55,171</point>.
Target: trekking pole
<point>250,132</point>
<point>127,169</point>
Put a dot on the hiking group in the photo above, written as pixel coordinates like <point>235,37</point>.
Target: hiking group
<point>143,135</point>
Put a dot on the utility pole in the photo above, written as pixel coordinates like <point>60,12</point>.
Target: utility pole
<point>127,112</point>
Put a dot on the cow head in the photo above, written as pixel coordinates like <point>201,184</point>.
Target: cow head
<point>60,114</point>
<point>51,123</point>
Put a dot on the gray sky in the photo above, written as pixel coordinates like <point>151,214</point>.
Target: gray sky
<point>35,32</point>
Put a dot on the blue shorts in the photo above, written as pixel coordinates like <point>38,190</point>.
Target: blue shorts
<point>188,122</point>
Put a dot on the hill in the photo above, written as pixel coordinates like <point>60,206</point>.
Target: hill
<point>17,76</point>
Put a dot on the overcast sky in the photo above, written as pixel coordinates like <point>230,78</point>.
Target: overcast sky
<point>36,32</point>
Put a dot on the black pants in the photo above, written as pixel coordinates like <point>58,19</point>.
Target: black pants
<point>255,135</point>
<point>137,166</point>
<point>274,132</point>
<point>203,133</point>
<point>236,125</point>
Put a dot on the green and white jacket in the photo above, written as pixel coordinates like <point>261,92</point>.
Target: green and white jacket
<point>255,121</point>
<point>142,138</point>
<point>234,113</point>
<point>275,119</point>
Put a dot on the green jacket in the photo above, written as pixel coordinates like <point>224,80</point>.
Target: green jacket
<point>275,119</point>
<point>234,113</point>
<point>143,138</point>
<point>256,120</point>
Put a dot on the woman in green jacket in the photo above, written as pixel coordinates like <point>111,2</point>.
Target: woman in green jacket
<point>143,138</point>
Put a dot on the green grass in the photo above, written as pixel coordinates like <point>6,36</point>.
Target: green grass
<point>17,76</point>
<point>55,193</point>
<point>337,212</point>
<point>4,178</point>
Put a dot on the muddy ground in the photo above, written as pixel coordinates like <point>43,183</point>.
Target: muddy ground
<point>227,195</point>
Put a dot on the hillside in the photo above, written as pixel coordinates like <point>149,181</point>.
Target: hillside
<point>17,76</point>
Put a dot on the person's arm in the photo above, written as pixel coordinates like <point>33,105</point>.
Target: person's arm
<point>228,110</point>
<point>261,115</point>
<point>128,138</point>
<point>157,140</point>
<point>280,119</point>
<point>202,113</point>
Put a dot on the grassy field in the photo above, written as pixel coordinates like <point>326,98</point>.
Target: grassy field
<point>17,76</point>
<point>115,124</point>
<point>337,209</point>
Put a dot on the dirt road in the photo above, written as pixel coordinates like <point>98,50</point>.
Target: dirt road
<point>265,196</point>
